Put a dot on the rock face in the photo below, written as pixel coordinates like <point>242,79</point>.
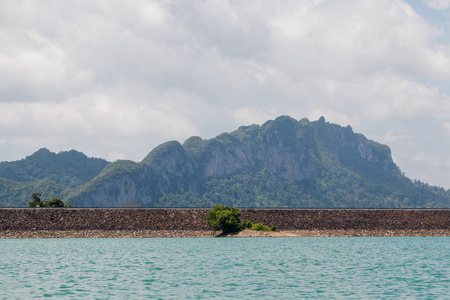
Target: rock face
<point>288,149</point>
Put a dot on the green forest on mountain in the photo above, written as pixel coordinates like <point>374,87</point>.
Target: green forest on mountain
<point>343,170</point>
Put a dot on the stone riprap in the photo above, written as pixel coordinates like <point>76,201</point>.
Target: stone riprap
<point>77,219</point>
<point>359,219</point>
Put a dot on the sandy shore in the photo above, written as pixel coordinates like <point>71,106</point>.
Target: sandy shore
<point>25,234</point>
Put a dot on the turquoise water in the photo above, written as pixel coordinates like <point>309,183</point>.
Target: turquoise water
<point>245,268</point>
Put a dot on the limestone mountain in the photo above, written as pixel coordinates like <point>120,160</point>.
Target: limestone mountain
<point>282,163</point>
<point>51,174</point>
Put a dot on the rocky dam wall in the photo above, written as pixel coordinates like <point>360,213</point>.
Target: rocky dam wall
<point>77,219</point>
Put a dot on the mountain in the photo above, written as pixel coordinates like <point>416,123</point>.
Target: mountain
<point>51,174</point>
<point>282,163</point>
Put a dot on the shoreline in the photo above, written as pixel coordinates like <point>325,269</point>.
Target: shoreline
<point>33,234</point>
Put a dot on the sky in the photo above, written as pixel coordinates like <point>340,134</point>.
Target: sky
<point>114,79</point>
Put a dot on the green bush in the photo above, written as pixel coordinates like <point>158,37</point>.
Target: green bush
<point>247,224</point>
<point>224,218</point>
<point>260,227</point>
<point>257,226</point>
<point>227,219</point>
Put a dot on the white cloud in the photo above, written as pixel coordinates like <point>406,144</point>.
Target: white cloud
<point>396,135</point>
<point>438,4</point>
<point>420,157</point>
<point>115,79</point>
<point>445,128</point>
<point>152,14</point>
<point>251,115</point>
<point>113,156</point>
<point>341,38</point>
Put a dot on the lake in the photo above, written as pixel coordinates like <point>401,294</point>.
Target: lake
<point>248,268</point>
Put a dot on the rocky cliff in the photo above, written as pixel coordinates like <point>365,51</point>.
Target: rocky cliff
<point>298,154</point>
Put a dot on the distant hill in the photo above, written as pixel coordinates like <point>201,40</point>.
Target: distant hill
<point>282,163</point>
<point>51,174</point>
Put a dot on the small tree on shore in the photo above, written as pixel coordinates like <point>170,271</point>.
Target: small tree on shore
<point>224,218</point>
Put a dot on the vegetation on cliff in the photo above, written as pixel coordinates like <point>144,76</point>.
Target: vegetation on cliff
<point>283,163</point>
<point>48,172</point>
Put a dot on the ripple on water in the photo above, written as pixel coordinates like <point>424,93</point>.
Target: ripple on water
<point>390,267</point>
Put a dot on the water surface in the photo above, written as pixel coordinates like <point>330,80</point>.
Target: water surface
<point>249,268</point>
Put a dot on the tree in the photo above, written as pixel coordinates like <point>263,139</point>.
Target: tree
<point>55,202</point>
<point>36,202</point>
<point>224,218</point>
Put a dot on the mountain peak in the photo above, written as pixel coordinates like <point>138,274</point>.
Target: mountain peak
<point>42,152</point>
<point>282,163</point>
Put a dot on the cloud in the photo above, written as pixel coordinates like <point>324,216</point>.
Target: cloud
<point>115,79</point>
<point>438,4</point>
<point>445,128</point>
<point>249,115</point>
<point>396,136</point>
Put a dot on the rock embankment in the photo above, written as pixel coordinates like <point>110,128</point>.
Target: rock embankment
<point>40,222</point>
